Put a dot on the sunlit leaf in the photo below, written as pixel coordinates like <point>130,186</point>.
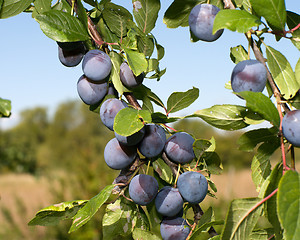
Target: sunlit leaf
<point>261,104</point>
<point>181,100</point>
<point>5,107</point>
<point>282,73</point>
<point>235,20</point>
<point>10,8</point>
<point>61,26</point>
<point>52,215</point>
<point>145,13</point>
<point>272,10</point>
<point>288,204</point>
<point>90,208</point>
<point>129,121</point>
<point>241,219</point>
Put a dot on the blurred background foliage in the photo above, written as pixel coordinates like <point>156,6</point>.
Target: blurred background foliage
<point>63,156</point>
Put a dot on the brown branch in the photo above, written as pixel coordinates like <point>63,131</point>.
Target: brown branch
<point>228,4</point>
<point>132,100</point>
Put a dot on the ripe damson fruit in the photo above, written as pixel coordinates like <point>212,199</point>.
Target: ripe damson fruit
<point>96,65</point>
<point>249,75</point>
<point>179,148</point>
<point>175,228</point>
<point>131,140</point>
<point>168,201</point>
<point>201,21</point>
<point>127,77</point>
<point>91,92</point>
<point>109,110</point>
<point>291,127</point>
<point>153,142</point>
<point>118,156</point>
<point>143,189</point>
<point>70,54</point>
<point>192,186</point>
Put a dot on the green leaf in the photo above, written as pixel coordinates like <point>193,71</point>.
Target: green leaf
<point>163,170</point>
<point>117,18</point>
<point>52,215</point>
<point>160,51</point>
<point>272,10</point>
<point>142,92</point>
<point>261,166</point>
<point>181,100</point>
<point>5,107</point>
<point>270,206</point>
<point>11,8</point>
<point>129,121</point>
<point>42,5</point>
<point>116,61</point>
<point>240,220</point>
<point>261,104</point>
<point>249,140</point>
<point>297,71</point>
<point>238,54</point>
<point>107,35</point>
<point>200,146</point>
<point>288,204</point>
<point>90,208</point>
<point>120,218</point>
<point>282,73</point>
<point>261,234</point>
<point>235,20</point>
<point>158,117</point>
<point>139,234</point>
<point>145,13</point>
<point>293,20</point>
<point>62,27</point>
<point>226,117</point>
<point>206,221</point>
<point>136,61</point>
<point>178,13</point>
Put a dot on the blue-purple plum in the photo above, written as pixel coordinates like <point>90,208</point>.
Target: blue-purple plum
<point>179,148</point>
<point>70,54</point>
<point>96,65</point>
<point>291,127</point>
<point>91,92</point>
<point>168,201</point>
<point>127,77</point>
<point>131,140</point>
<point>118,156</point>
<point>109,110</point>
<point>249,75</point>
<point>201,21</point>
<point>192,186</point>
<point>153,142</point>
<point>143,189</point>
<point>174,229</point>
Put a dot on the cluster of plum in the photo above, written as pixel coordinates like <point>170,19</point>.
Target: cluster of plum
<point>120,152</point>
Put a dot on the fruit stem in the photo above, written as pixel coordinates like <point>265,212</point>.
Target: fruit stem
<point>177,175</point>
<point>148,166</point>
<point>170,128</point>
<point>285,167</point>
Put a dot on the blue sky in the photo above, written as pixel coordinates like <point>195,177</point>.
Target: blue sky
<point>31,74</point>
